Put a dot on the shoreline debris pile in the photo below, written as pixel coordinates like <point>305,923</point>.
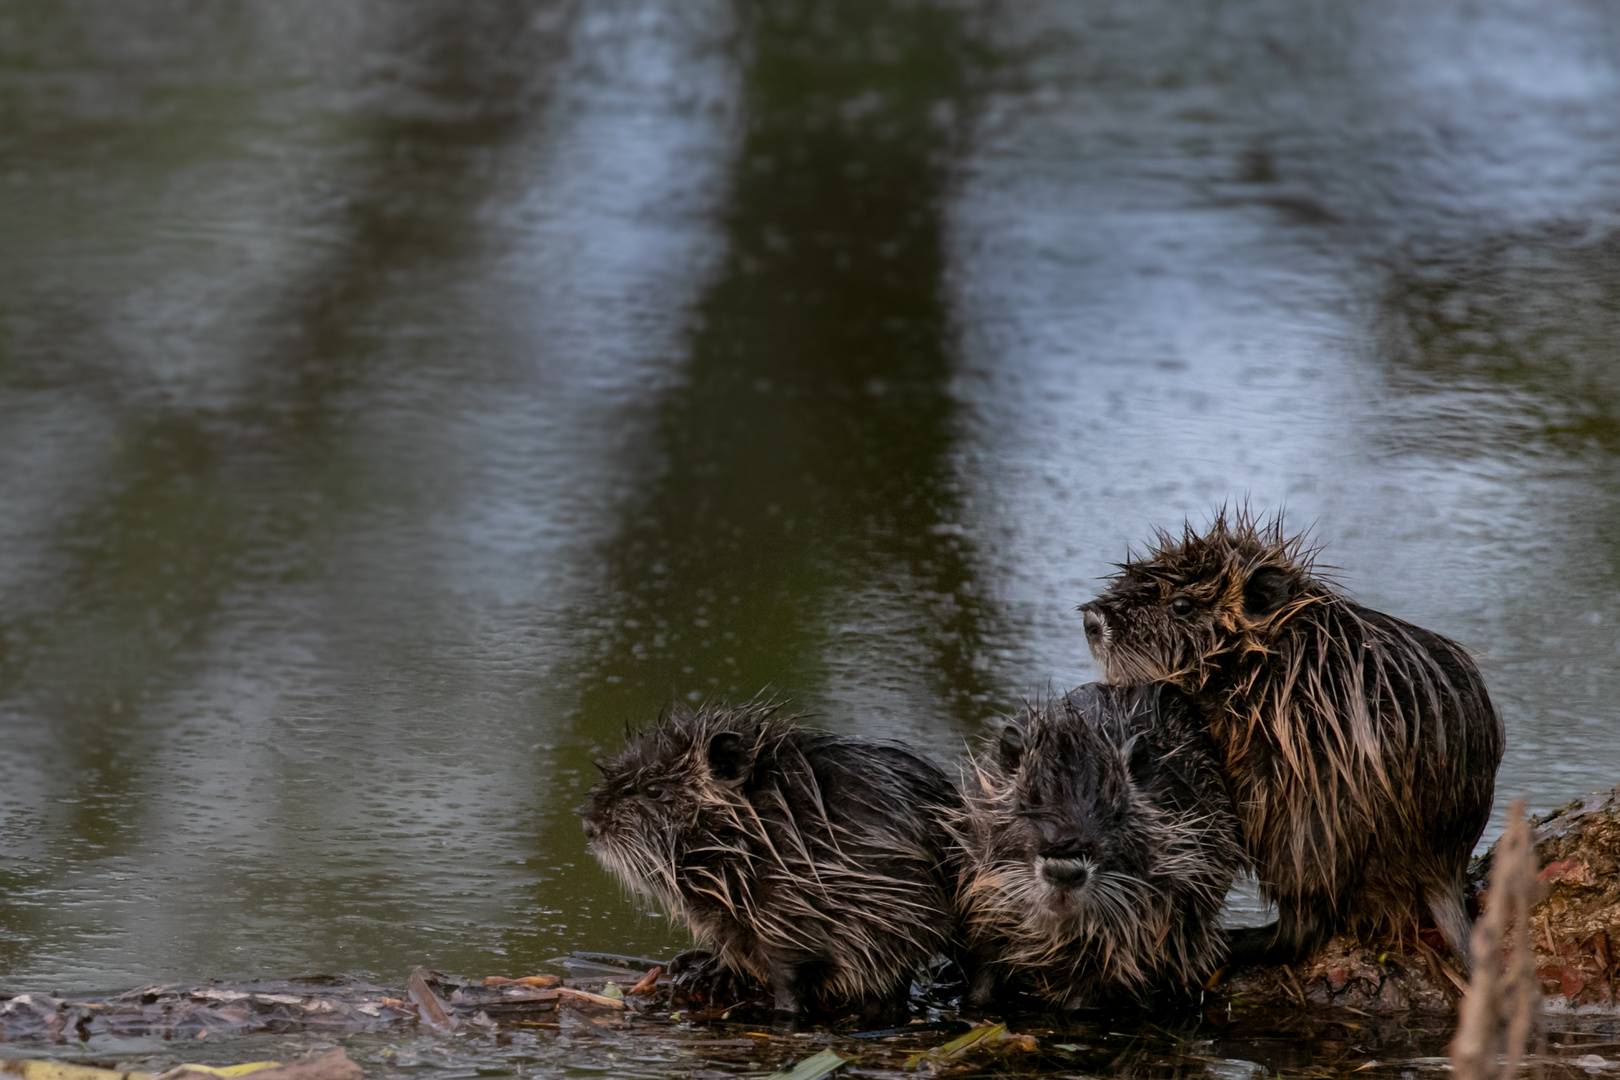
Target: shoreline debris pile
<point>1574,934</point>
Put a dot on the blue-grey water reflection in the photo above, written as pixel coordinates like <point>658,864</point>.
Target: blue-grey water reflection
<point>396,400</point>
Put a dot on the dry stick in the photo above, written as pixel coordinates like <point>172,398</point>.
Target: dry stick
<point>428,1003</point>
<point>648,983</point>
<point>1495,1016</point>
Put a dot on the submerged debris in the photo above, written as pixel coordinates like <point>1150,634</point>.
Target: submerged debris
<point>325,1005</point>
<point>427,1003</point>
<point>202,1011</point>
<point>814,1067</point>
<point>329,1065</point>
<point>986,1037</point>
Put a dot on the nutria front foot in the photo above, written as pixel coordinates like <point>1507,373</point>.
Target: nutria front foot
<point>1259,946</point>
<point>890,1011</point>
<point>787,1002</point>
<point>699,977</point>
<point>984,990</point>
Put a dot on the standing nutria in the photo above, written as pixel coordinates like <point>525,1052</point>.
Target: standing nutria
<point>1098,843</point>
<point>815,863</point>
<point>1362,750</point>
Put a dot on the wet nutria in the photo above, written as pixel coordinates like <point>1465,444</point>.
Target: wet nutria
<point>1362,750</point>
<point>1098,844</point>
<point>815,863</point>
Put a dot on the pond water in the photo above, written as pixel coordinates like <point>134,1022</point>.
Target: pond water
<point>398,400</point>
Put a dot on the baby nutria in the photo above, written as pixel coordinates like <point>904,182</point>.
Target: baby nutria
<point>1098,843</point>
<point>1362,750</point>
<point>815,863</point>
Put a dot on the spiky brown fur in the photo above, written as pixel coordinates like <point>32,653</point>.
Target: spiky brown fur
<point>1098,844</point>
<point>1362,749</point>
<point>814,863</point>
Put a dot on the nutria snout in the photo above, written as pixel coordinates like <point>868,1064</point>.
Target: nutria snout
<point>817,864</point>
<point>1063,872</point>
<point>1362,749</point>
<point>1096,625</point>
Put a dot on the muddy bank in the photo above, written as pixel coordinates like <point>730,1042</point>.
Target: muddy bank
<point>610,1011</point>
<point>1575,932</point>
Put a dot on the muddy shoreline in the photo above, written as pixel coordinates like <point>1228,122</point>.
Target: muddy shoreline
<point>1350,1009</point>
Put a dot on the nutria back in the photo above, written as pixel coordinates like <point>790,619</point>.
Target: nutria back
<point>812,862</point>
<point>1362,749</point>
<point>1098,842</point>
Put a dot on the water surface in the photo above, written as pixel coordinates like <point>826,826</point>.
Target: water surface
<point>397,401</point>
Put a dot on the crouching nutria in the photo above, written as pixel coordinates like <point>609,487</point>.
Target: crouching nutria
<point>814,863</point>
<point>1362,750</point>
<point>1097,844</point>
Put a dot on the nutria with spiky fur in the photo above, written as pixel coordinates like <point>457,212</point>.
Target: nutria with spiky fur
<point>1098,842</point>
<point>814,863</point>
<point>1362,750</point>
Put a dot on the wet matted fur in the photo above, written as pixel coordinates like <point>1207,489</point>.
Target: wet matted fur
<point>1362,750</point>
<point>815,863</point>
<point>1098,842</point>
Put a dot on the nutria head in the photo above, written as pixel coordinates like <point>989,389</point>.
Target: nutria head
<point>1098,842</point>
<point>678,781</point>
<point>1195,601</point>
<point>1361,749</point>
<point>1073,846</point>
<point>1071,810</point>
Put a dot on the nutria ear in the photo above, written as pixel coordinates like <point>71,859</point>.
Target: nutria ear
<point>1267,590</point>
<point>1137,755</point>
<point>730,760</point>
<point>1010,747</point>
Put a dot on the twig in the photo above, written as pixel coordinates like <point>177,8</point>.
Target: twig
<point>1499,1009</point>
<point>647,983</point>
<point>427,1002</point>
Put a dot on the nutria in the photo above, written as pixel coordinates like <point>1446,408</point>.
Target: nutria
<point>814,863</point>
<point>1362,750</point>
<point>1098,844</point>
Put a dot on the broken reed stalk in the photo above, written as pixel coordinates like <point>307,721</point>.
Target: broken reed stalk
<point>1504,996</point>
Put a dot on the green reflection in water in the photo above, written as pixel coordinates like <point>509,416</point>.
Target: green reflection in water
<point>804,460</point>
<point>201,502</point>
<point>808,444</point>
<point>1522,326</point>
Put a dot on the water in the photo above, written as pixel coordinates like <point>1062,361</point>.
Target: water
<point>397,400</point>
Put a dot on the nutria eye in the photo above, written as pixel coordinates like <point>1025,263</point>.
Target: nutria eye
<point>653,791</point>
<point>1181,605</point>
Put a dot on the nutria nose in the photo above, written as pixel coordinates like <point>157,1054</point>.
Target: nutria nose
<point>1094,623</point>
<point>590,829</point>
<point>1066,873</point>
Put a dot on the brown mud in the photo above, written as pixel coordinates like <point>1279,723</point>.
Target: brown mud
<point>1575,932</point>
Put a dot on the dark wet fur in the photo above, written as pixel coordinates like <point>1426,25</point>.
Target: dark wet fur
<point>1098,844</point>
<point>814,863</point>
<point>1362,749</point>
